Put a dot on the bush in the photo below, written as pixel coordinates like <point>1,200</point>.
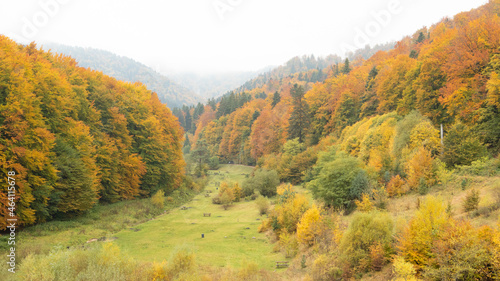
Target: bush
<point>213,163</point>
<point>415,242</point>
<point>262,204</point>
<point>264,181</point>
<point>334,180</point>
<point>471,201</point>
<point>420,166</point>
<point>360,241</point>
<point>324,269</point>
<point>462,252</point>
<point>403,270</point>
<point>227,198</point>
<point>158,200</point>
<point>288,211</point>
<point>380,197</point>
<point>288,244</point>
<point>365,205</point>
<point>480,167</point>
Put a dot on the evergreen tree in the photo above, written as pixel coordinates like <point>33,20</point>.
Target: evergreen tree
<point>276,99</point>
<point>198,110</point>
<point>299,119</point>
<point>188,120</point>
<point>420,38</point>
<point>346,69</point>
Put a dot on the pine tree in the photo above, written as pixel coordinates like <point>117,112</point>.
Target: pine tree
<point>420,38</point>
<point>276,99</point>
<point>346,69</point>
<point>299,119</point>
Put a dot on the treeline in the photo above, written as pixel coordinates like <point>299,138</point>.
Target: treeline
<point>75,137</point>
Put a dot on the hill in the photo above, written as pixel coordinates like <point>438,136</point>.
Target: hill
<point>126,69</point>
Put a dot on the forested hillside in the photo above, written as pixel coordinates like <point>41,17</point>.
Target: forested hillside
<point>448,73</point>
<point>74,136</point>
<point>360,132</point>
<point>126,69</point>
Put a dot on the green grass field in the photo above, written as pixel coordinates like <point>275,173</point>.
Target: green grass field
<point>230,236</point>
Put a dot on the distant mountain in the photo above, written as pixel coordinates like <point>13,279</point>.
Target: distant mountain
<point>123,68</point>
<point>214,85</point>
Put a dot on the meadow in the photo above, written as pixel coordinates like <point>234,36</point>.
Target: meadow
<point>230,236</point>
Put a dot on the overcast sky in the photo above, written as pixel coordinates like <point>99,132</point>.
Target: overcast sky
<point>220,35</point>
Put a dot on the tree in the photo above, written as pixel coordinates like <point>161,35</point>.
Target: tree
<point>309,226</point>
<point>299,119</point>
<point>200,154</point>
<point>364,234</point>
<point>227,198</point>
<point>461,146</point>
<point>415,243</point>
<point>421,37</point>
<point>262,204</point>
<point>346,69</point>
<point>334,181</point>
<point>264,181</point>
<point>276,99</point>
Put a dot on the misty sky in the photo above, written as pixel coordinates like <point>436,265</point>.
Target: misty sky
<point>220,35</point>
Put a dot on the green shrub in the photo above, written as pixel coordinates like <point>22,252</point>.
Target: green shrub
<point>213,163</point>
<point>334,181</point>
<point>263,181</point>
<point>262,204</point>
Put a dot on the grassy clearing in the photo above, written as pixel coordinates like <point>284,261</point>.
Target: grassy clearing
<point>231,236</point>
<point>101,222</point>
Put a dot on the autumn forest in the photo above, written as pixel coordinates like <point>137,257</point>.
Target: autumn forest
<point>380,166</point>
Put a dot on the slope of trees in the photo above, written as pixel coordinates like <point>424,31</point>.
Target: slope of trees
<point>75,136</point>
<point>126,69</point>
<point>435,72</point>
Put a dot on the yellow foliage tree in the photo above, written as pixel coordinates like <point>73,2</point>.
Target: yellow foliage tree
<point>237,192</point>
<point>420,166</point>
<point>395,187</point>
<point>416,240</point>
<point>309,226</point>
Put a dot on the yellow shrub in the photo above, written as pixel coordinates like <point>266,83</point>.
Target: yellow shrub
<point>264,226</point>
<point>403,270</point>
<point>365,205</point>
<point>158,200</point>
<point>288,244</point>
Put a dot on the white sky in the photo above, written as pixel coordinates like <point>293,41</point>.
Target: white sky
<point>192,35</point>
